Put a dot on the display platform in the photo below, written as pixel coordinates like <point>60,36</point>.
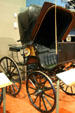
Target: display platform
<point>4,81</point>
<point>22,103</point>
<point>68,77</point>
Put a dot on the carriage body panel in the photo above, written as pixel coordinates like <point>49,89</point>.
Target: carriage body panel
<point>66,51</point>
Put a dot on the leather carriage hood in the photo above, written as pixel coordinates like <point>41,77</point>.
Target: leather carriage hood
<point>38,24</point>
<point>34,11</point>
<point>26,22</point>
<point>44,29</point>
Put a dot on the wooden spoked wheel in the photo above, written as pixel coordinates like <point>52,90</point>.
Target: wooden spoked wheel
<point>9,67</point>
<point>41,92</point>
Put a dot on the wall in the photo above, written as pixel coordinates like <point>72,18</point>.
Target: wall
<point>8,34</point>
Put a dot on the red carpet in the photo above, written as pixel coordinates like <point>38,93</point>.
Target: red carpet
<point>21,103</point>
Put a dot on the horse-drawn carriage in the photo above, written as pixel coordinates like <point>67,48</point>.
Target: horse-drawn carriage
<point>43,46</point>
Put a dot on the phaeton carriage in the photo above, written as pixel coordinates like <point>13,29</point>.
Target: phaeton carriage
<point>42,44</point>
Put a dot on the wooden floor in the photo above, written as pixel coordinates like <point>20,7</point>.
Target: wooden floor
<point>21,103</point>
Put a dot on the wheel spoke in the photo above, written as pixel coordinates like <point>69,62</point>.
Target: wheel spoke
<point>35,99</point>
<point>34,78</point>
<point>32,82</point>
<point>4,65</point>
<point>62,83</point>
<point>15,85</point>
<point>47,101</point>
<point>7,63</point>
<point>10,65</point>
<point>46,88</point>
<point>13,70</point>
<point>32,88</point>
<point>44,103</point>
<point>14,74</point>
<point>3,68</point>
<point>32,93</point>
<point>13,89</point>
<point>67,88</point>
<point>44,81</point>
<point>49,96</point>
<point>40,102</point>
<point>71,89</point>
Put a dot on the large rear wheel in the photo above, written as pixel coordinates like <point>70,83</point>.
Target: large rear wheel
<point>41,91</point>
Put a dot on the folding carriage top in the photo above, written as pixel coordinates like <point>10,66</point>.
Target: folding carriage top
<point>43,30</point>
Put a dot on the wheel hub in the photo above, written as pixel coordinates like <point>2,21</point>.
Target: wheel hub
<point>8,73</point>
<point>38,92</point>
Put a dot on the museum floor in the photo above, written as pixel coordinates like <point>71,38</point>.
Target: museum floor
<point>21,104</point>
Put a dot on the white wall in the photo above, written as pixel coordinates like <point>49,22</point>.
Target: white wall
<point>8,34</point>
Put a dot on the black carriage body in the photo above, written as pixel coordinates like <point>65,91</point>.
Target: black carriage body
<point>44,30</point>
<point>43,34</point>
